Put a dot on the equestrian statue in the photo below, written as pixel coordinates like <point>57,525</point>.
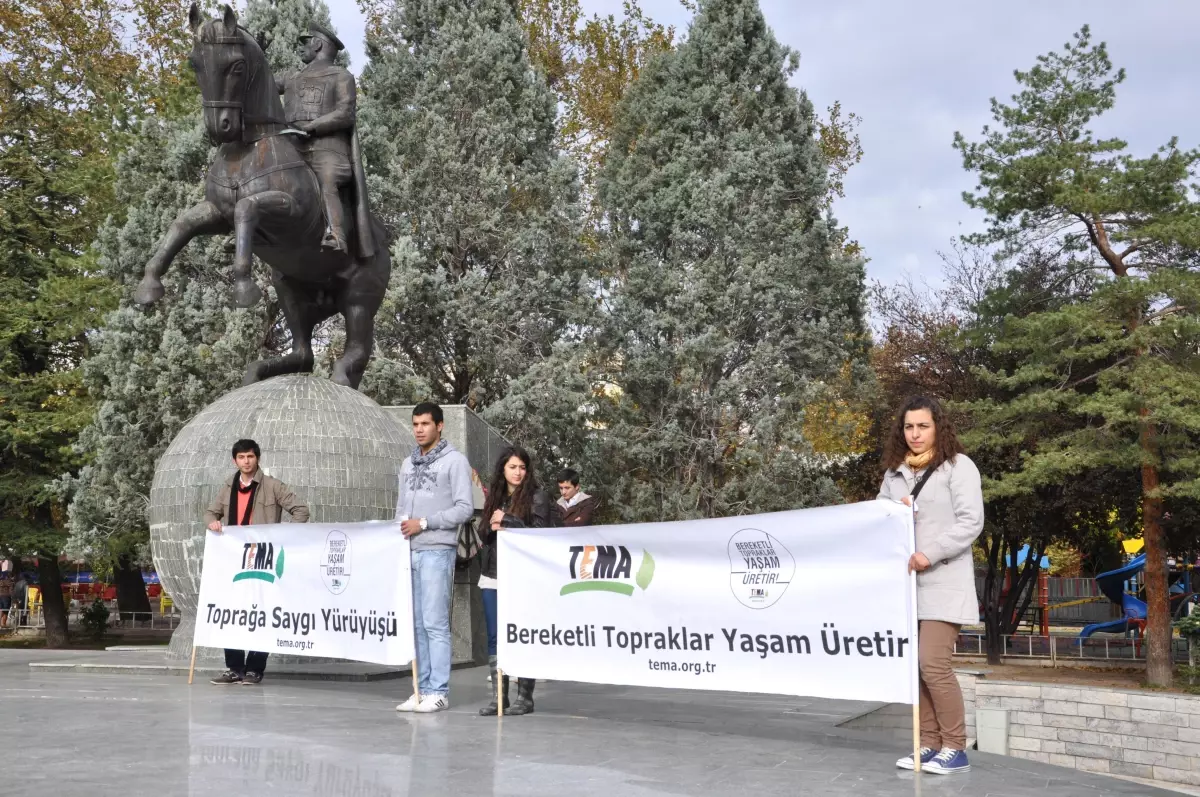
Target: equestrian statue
<point>288,181</point>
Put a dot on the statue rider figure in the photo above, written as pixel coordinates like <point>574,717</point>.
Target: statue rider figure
<point>320,100</point>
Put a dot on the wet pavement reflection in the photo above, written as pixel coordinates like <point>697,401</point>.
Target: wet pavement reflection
<point>155,736</point>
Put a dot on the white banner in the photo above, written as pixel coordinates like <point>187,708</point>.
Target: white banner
<point>815,602</point>
<point>313,589</point>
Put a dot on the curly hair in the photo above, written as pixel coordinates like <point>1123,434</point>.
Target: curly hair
<point>945,447</point>
<point>521,501</point>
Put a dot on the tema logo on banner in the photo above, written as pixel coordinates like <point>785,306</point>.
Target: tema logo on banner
<point>259,562</point>
<point>335,562</point>
<point>606,568</point>
<point>760,568</point>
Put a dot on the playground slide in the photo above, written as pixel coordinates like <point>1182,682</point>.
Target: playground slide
<point>1112,584</point>
<point>1135,608</point>
<point>1111,627</point>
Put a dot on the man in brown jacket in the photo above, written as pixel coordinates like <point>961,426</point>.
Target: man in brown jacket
<point>575,507</point>
<point>257,499</point>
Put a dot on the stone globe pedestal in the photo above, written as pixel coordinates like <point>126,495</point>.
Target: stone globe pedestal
<point>337,449</point>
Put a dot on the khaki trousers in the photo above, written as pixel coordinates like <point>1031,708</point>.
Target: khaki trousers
<point>943,716</point>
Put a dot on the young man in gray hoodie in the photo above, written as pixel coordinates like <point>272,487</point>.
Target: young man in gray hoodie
<point>435,499</point>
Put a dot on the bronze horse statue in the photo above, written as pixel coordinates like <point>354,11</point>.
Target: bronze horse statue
<point>260,188</point>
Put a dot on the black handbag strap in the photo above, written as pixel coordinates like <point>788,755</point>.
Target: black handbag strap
<point>234,486</point>
<point>921,484</point>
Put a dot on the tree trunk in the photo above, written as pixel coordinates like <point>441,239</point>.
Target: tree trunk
<point>991,629</point>
<point>1002,612</point>
<point>1159,665</point>
<point>54,608</point>
<point>991,601</point>
<point>1024,586</point>
<point>131,589</point>
<point>994,644</point>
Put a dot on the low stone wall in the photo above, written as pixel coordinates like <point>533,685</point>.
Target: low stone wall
<point>967,681</point>
<point>1139,734</point>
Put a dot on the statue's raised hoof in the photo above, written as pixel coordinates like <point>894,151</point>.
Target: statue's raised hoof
<point>246,293</point>
<point>148,291</point>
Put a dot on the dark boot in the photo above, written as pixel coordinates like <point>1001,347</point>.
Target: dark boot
<point>497,684</point>
<point>524,702</point>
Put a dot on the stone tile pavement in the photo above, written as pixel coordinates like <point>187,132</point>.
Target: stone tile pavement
<point>128,736</point>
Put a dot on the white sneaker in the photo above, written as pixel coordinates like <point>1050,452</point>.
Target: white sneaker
<point>432,703</point>
<point>410,704</point>
<point>927,754</point>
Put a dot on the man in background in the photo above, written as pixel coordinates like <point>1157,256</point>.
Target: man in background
<point>20,598</point>
<point>576,507</point>
<point>6,591</point>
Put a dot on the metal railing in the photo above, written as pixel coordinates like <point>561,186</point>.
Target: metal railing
<point>144,620</point>
<point>1066,648</point>
<point>34,619</point>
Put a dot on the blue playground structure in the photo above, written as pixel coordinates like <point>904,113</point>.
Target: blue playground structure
<point>1133,610</point>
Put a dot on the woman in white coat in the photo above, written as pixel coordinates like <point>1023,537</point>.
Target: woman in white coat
<point>926,468</point>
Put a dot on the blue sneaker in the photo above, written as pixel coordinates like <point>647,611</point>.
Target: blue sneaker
<point>948,762</point>
<point>927,754</point>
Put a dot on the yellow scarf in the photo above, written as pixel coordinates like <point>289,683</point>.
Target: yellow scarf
<point>918,461</point>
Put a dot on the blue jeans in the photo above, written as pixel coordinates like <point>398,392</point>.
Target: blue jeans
<point>489,614</point>
<point>433,582</point>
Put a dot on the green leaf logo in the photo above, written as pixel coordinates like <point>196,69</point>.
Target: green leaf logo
<point>279,564</point>
<point>646,571</point>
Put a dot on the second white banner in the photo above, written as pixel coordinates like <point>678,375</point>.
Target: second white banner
<point>814,602</point>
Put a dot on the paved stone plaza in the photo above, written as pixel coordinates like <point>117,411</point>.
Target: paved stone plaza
<point>153,736</point>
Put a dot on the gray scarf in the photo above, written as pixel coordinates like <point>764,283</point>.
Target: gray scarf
<point>422,465</point>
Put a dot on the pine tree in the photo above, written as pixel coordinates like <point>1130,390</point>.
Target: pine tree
<point>1123,366</point>
<point>154,369</point>
<point>731,307</point>
<point>280,23</point>
<point>589,63</point>
<point>488,273</point>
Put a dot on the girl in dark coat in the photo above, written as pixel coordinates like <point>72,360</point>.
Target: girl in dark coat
<point>514,501</point>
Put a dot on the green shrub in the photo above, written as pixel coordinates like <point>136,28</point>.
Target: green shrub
<point>95,620</point>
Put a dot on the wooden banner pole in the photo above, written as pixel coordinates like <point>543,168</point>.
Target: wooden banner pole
<point>917,736</point>
<point>192,666</point>
<point>915,634</point>
<point>500,694</point>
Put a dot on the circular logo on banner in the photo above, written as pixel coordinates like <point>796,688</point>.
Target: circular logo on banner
<point>760,568</point>
<point>335,562</point>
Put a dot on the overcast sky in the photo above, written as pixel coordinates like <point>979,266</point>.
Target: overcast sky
<point>917,71</point>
